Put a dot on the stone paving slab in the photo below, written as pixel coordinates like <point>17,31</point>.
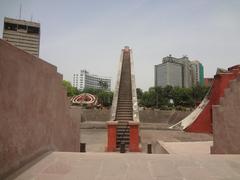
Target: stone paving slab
<point>202,147</point>
<point>131,166</point>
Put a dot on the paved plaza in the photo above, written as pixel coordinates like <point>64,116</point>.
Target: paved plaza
<point>96,139</point>
<point>133,166</point>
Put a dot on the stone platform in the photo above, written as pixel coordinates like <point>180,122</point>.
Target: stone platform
<point>186,148</point>
<point>132,166</point>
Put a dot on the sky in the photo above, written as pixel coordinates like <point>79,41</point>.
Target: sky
<point>89,34</point>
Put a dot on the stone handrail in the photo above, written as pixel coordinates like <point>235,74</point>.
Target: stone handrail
<point>134,92</point>
<point>115,95</point>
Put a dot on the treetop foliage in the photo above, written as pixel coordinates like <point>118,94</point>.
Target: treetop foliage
<point>164,97</point>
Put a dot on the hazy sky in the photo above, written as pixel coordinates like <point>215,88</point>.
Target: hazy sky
<point>77,34</point>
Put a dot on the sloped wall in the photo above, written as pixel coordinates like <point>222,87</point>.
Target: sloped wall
<point>34,111</point>
<point>226,121</point>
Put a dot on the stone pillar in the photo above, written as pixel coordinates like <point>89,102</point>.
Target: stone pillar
<point>134,137</point>
<point>112,133</point>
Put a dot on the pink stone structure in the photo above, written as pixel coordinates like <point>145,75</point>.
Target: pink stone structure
<point>34,110</point>
<point>226,121</point>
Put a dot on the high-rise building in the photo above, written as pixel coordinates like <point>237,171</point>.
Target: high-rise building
<point>198,73</point>
<point>168,74</point>
<point>86,80</point>
<point>179,72</point>
<point>22,34</point>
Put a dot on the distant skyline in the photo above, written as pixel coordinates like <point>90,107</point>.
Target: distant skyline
<point>89,35</point>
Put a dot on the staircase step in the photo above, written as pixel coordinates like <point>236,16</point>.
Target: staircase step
<point>129,111</point>
<point>122,130</point>
<point>124,114</point>
<point>124,107</point>
<point>124,118</point>
<point>122,137</point>
<point>124,134</point>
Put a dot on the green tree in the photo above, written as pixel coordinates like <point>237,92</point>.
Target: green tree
<point>148,99</point>
<point>199,92</point>
<point>93,91</point>
<point>103,84</point>
<point>168,92</point>
<point>71,91</point>
<point>183,97</point>
<point>105,97</point>
<point>160,97</point>
<point>139,93</point>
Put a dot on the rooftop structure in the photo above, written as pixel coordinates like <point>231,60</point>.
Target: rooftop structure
<point>22,34</point>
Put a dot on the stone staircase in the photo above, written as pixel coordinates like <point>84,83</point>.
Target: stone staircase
<point>124,112</point>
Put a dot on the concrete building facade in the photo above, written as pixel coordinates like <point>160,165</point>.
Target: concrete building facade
<point>179,72</point>
<point>198,73</point>
<point>22,34</point>
<point>168,74</point>
<point>86,80</point>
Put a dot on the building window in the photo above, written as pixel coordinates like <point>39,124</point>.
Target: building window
<point>10,26</point>
<point>23,27</point>
<point>33,30</point>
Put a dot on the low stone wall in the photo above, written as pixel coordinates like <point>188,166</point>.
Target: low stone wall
<point>34,110</point>
<point>102,115</point>
<point>146,116</point>
<point>162,116</point>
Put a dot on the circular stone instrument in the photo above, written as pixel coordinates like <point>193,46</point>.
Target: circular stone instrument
<point>84,98</point>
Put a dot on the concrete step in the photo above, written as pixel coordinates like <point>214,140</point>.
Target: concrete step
<point>120,105</point>
<point>124,102</point>
<point>129,115</point>
<point>122,110</point>
<point>124,106</point>
<point>123,118</point>
<point>124,135</point>
<point>125,113</point>
<point>123,141</point>
<point>123,129</point>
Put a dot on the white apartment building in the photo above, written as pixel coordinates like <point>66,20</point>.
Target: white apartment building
<point>86,80</point>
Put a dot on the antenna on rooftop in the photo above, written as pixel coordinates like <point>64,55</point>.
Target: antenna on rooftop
<point>20,11</point>
<point>31,17</point>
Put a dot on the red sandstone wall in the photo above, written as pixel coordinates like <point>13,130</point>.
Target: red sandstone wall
<point>34,111</point>
<point>203,123</point>
<point>226,122</point>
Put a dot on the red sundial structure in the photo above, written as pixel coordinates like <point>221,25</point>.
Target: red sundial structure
<point>201,119</point>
